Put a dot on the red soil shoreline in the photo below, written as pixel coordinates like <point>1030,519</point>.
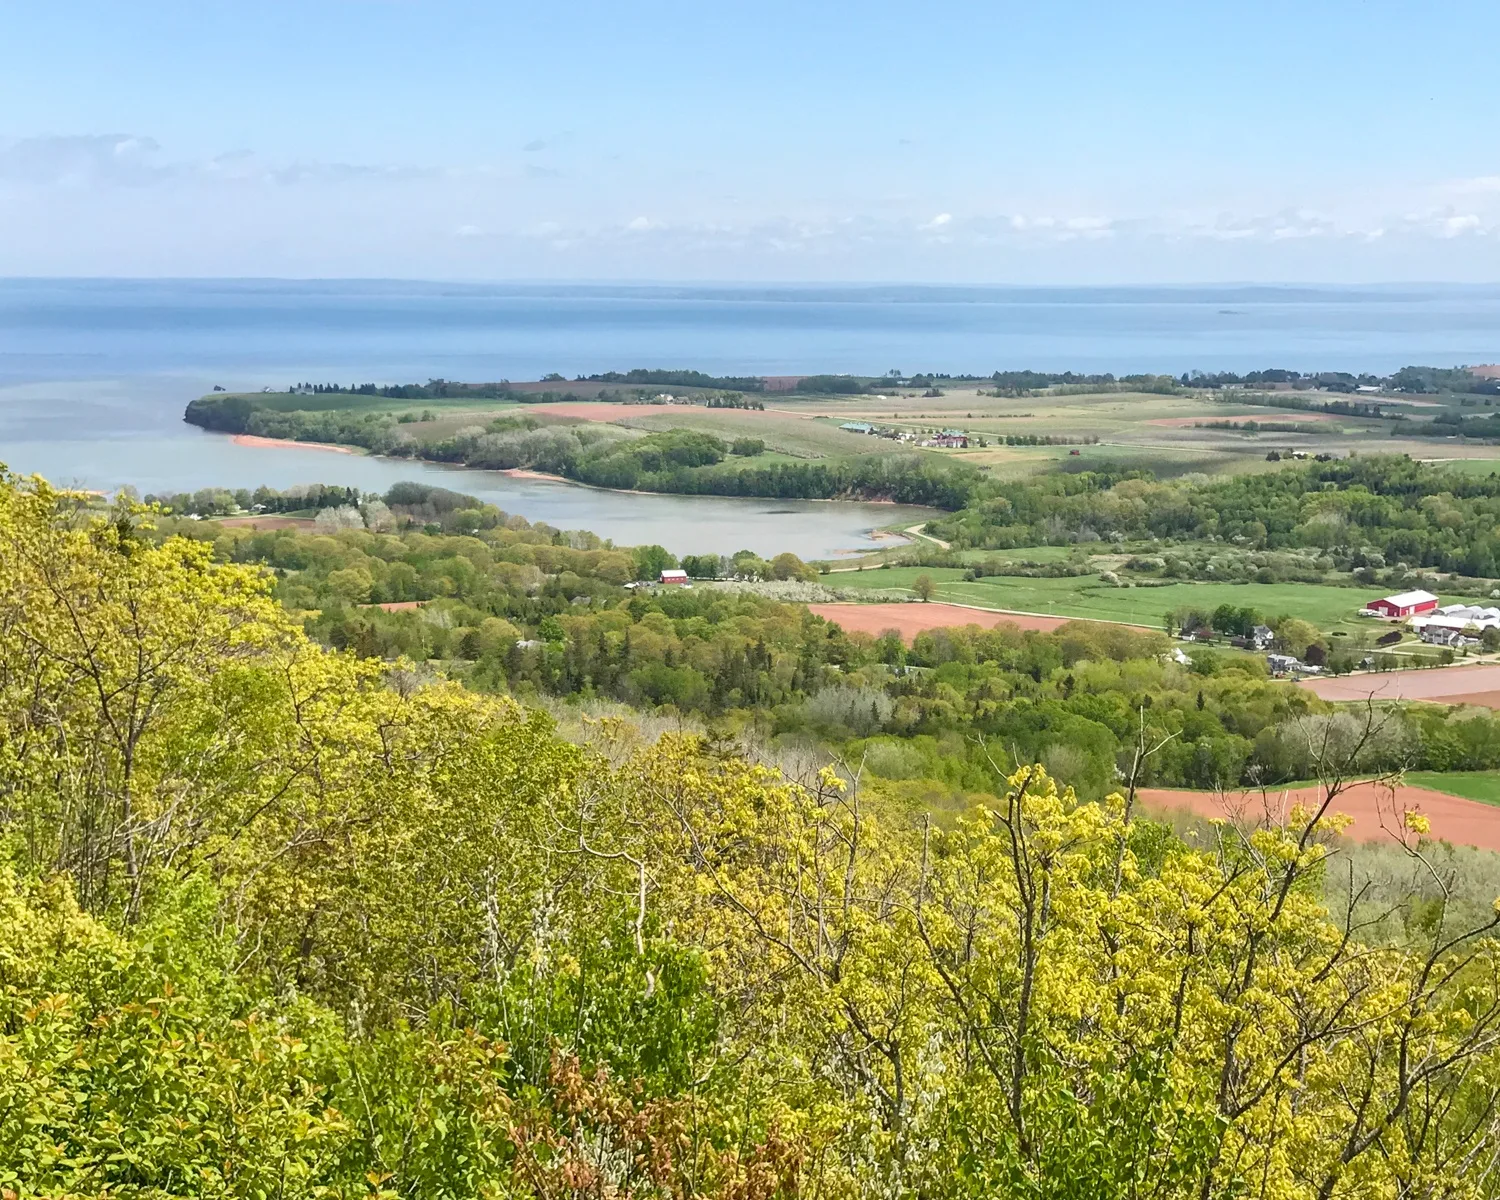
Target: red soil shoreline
<point>254,439</point>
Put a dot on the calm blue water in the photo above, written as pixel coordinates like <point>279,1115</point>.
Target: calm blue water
<point>94,374</point>
<point>252,332</point>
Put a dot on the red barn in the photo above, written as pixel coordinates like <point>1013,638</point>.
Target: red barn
<point>674,576</point>
<point>1404,604</point>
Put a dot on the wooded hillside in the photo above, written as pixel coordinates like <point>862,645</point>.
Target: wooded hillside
<point>276,920</point>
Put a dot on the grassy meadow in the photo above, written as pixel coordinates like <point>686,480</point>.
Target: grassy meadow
<point>1483,786</point>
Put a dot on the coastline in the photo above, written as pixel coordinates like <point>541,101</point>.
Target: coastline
<point>526,473</point>
<point>254,439</point>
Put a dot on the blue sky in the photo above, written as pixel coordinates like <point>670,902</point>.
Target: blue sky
<point>987,142</point>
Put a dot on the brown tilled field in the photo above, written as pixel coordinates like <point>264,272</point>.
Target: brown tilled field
<point>910,619</point>
<point>1478,684</point>
<point>1376,810</point>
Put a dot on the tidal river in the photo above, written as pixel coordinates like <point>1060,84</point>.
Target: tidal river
<point>179,457</point>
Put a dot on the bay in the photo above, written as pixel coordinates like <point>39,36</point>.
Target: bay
<point>94,374</point>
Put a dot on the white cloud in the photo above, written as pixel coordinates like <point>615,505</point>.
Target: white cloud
<point>72,191</point>
<point>1455,226</point>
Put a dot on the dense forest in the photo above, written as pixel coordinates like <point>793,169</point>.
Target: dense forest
<point>280,919</point>
<point>1387,509</point>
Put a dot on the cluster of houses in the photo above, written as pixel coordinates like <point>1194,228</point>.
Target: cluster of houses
<point>1456,624</point>
<point>946,439</point>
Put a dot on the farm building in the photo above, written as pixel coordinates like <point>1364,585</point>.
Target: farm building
<point>1435,634</point>
<point>1455,624</point>
<point>674,576</point>
<point>1403,604</point>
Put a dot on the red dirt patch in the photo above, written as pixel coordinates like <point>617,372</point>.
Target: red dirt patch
<point>1376,810</point>
<point>1479,699</point>
<point>266,523</point>
<point>1478,684</point>
<point>910,619</point>
<point>398,605</point>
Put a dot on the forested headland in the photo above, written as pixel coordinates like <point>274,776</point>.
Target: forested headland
<point>283,918</point>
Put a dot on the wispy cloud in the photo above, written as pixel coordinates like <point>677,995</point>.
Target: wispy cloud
<point>116,158</point>
<point>127,160</point>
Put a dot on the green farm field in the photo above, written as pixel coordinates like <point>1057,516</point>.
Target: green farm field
<point>1483,786</point>
<point>1085,596</point>
<point>797,436</point>
<point>1468,466</point>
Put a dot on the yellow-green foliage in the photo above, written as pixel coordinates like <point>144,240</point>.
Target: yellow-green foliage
<point>279,921</point>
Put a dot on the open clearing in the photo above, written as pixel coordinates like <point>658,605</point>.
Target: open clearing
<point>1477,684</point>
<point>1376,810</point>
<point>799,436</point>
<point>266,524</point>
<point>910,619</point>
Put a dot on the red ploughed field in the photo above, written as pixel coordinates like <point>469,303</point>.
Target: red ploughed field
<point>1377,810</point>
<point>911,618</point>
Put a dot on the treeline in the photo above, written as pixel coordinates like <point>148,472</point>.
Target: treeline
<point>433,389</point>
<point>1413,379</point>
<point>682,378</point>
<point>1427,380</point>
<point>1020,383</point>
<point>1408,513</point>
<point>1048,439</point>
<point>1453,423</point>
<point>1296,403</point>
<point>1327,381</point>
<point>300,497</point>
